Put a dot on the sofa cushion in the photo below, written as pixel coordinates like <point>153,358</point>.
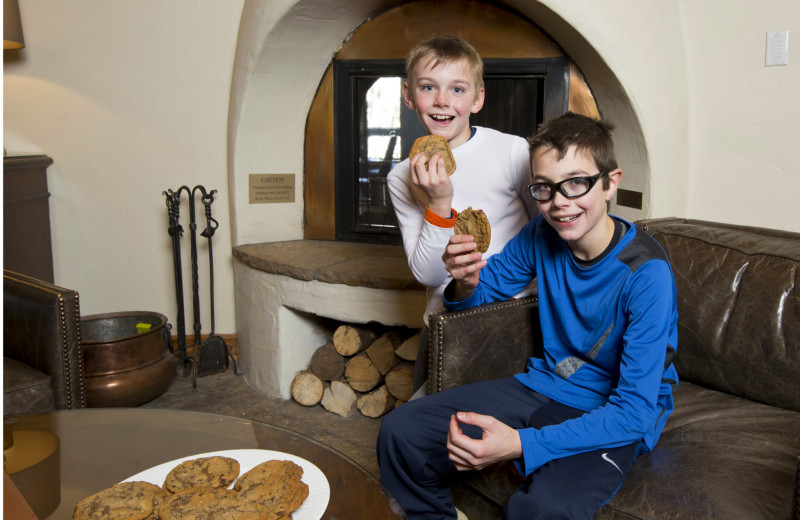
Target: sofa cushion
<point>738,307</point>
<point>25,389</point>
<point>719,457</point>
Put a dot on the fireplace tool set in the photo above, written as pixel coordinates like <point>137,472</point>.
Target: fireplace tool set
<point>211,354</point>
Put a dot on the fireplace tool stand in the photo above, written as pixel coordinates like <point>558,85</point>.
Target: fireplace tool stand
<point>211,355</point>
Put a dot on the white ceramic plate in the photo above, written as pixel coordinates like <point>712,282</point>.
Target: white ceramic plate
<point>319,492</point>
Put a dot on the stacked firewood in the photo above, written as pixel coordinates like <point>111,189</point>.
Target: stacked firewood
<point>359,369</point>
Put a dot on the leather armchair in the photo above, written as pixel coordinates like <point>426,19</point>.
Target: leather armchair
<point>42,356</point>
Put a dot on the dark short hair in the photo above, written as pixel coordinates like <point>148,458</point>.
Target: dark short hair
<point>446,49</point>
<point>583,132</point>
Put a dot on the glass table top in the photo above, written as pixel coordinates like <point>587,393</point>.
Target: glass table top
<point>100,447</point>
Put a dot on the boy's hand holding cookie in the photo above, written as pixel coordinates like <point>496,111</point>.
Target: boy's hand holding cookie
<point>431,164</point>
<point>463,261</point>
<point>463,256</point>
<point>431,145</point>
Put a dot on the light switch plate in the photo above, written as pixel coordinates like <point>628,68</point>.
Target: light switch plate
<point>777,48</point>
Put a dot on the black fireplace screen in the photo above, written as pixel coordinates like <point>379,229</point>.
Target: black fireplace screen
<point>375,131</point>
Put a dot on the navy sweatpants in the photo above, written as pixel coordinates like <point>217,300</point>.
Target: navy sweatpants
<point>415,468</point>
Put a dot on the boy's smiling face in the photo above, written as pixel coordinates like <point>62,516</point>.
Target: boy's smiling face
<point>583,222</point>
<point>444,95</point>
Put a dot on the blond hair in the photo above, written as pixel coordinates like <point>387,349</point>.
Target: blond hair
<point>445,49</point>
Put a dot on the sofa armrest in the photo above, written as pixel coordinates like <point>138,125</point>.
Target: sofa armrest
<point>41,328</point>
<point>486,342</point>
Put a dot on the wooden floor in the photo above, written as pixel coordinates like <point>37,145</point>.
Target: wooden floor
<point>228,394</point>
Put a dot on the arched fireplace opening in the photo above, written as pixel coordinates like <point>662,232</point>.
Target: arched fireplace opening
<point>343,196</point>
<point>284,270</point>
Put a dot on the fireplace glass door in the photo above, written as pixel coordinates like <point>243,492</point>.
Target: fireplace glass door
<point>374,130</point>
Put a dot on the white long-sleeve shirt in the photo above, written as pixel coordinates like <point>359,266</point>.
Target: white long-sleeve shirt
<point>492,174</point>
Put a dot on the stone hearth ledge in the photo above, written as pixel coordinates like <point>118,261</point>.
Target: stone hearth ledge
<point>280,288</point>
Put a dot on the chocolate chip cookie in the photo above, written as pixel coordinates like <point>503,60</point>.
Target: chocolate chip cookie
<point>475,223</point>
<point>429,145</point>
<point>213,471</point>
<point>128,500</point>
<point>203,503</point>
<point>275,484</point>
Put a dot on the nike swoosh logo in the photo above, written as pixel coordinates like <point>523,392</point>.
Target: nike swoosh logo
<point>605,458</point>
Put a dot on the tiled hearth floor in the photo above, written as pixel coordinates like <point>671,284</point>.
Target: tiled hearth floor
<point>228,394</point>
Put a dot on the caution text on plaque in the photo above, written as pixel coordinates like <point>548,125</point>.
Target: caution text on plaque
<point>271,188</point>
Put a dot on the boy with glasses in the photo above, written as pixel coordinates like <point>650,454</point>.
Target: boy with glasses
<point>575,421</point>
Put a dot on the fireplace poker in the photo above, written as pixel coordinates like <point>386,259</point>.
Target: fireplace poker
<point>173,201</point>
<point>196,326</point>
<point>214,351</point>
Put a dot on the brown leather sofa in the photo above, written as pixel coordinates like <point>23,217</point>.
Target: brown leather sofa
<point>42,358</point>
<point>730,449</point>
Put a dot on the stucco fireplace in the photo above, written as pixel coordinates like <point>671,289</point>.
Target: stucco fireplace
<point>290,295</point>
<point>288,292</point>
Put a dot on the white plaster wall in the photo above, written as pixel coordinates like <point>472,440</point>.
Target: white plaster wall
<point>744,162</point>
<point>129,98</point>
<point>259,18</point>
<point>280,84</point>
<point>639,45</point>
<point>715,119</point>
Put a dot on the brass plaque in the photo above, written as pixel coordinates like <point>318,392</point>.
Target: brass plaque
<point>271,188</point>
<point>629,198</point>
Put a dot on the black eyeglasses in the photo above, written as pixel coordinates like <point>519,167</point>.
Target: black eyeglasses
<point>570,188</point>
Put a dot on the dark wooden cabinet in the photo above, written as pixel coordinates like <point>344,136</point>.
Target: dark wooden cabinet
<point>27,248</point>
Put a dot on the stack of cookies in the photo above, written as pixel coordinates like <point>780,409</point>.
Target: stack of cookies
<point>199,489</point>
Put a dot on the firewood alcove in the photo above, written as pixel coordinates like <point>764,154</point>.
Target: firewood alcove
<point>365,368</point>
<point>293,296</point>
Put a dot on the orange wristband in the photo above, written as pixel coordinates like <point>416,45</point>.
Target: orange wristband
<point>441,222</point>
